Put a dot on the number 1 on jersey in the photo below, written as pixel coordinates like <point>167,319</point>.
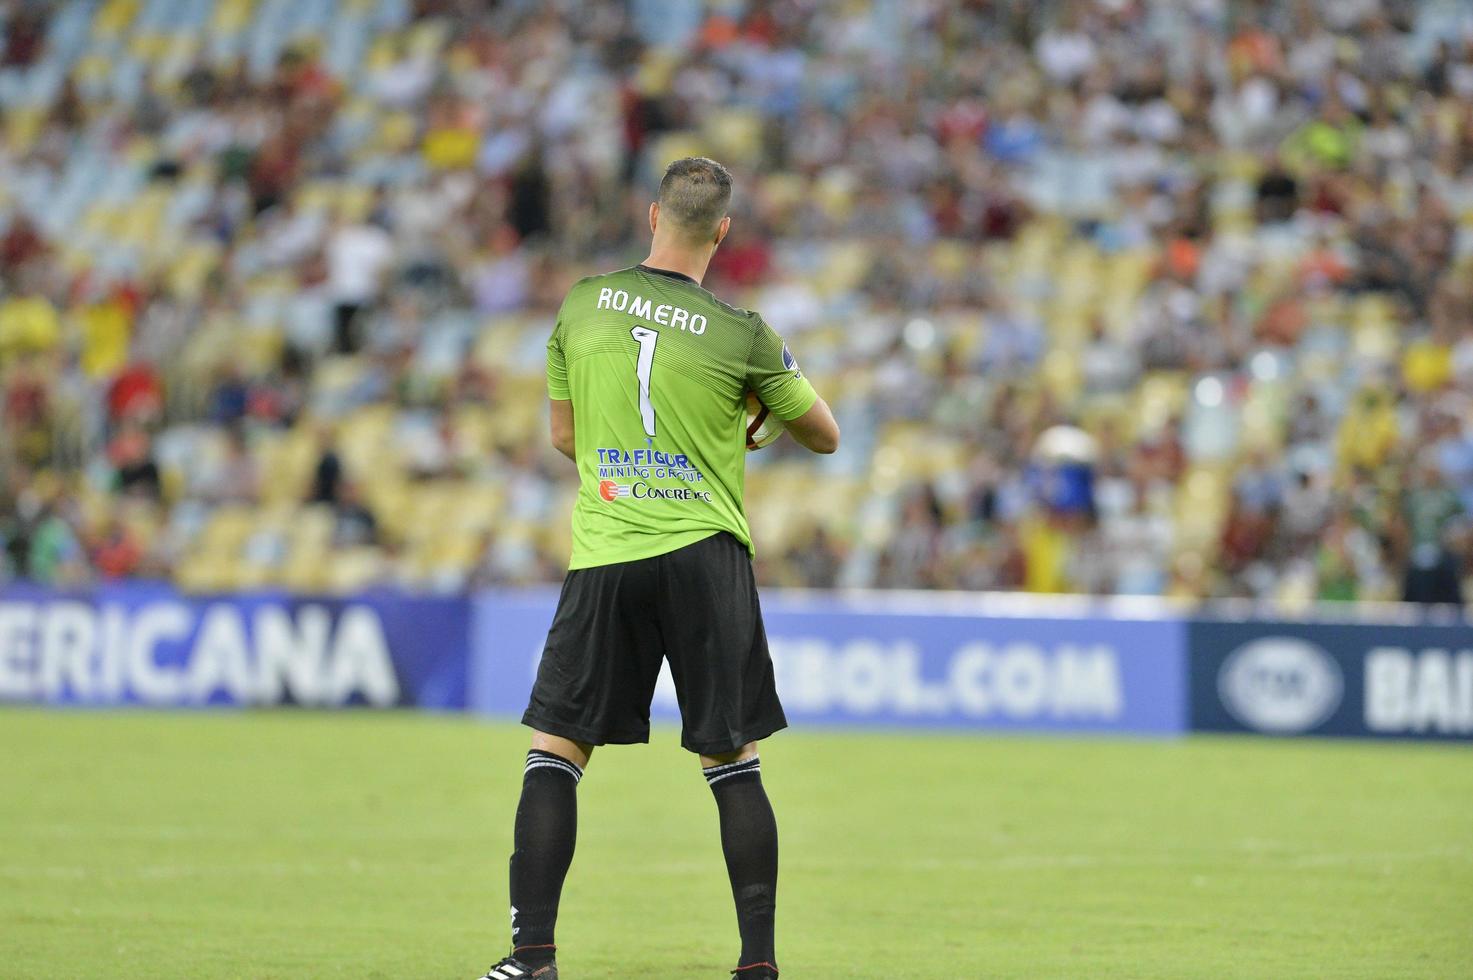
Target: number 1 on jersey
<point>647,339</point>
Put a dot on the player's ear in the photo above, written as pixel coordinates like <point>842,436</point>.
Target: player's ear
<point>723,228</point>
<point>654,215</point>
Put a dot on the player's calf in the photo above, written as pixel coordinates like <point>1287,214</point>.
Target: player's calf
<point>749,841</point>
<point>545,836</point>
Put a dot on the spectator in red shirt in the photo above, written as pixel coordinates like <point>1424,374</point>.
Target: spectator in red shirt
<point>116,553</point>
<point>136,393</point>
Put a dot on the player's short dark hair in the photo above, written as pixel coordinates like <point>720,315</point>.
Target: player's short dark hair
<point>694,194</point>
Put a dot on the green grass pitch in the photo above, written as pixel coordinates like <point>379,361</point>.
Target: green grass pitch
<point>356,845</point>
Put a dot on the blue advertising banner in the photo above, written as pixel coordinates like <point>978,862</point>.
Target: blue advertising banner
<point>148,644</point>
<point>904,662</point>
<point>897,660</point>
<point>1361,679</point>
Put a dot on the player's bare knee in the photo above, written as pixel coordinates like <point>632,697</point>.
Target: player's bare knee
<point>748,751</point>
<point>577,753</point>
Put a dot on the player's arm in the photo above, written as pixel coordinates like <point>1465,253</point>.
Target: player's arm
<point>561,423</point>
<point>773,374</point>
<point>560,396</point>
<point>816,429</point>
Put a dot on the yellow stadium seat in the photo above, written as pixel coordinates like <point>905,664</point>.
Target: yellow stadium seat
<point>496,342</point>
<point>783,191</point>
<point>148,46</point>
<point>734,134</point>
<point>231,17</point>
<point>364,439</point>
<point>383,52</point>
<point>203,573</point>
<point>288,460</point>
<point>656,71</point>
<point>355,201</point>
<point>1374,340</point>
<point>352,569</point>
<point>1201,505</point>
<point>92,68</point>
<point>451,148</point>
<point>192,267</point>
<point>425,38</point>
<point>677,144</point>
<point>389,497</point>
<point>473,425</point>
<point>844,266</point>
<point>317,195</point>
<point>22,126</point>
<point>28,323</point>
<point>834,192</point>
<point>114,18</point>
<point>1262,416</point>
<point>307,572</point>
<point>1161,395</point>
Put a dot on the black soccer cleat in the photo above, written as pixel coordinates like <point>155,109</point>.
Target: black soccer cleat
<point>512,968</point>
<point>755,971</point>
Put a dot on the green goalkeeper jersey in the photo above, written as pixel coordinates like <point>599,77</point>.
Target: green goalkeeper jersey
<point>658,371</point>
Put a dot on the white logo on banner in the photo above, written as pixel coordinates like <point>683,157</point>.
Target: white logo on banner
<point>1280,684</point>
<point>99,653</point>
<point>865,678</point>
<point>1429,691</point>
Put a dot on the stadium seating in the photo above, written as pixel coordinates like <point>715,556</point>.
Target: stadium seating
<point>193,190</point>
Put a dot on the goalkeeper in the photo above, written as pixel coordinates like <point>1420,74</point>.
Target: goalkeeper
<point>648,376</point>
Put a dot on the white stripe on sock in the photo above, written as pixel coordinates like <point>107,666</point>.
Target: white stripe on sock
<point>733,765</point>
<point>566,767</point>
<point>549,761</point>
<point>549,757</point>
<point>713,780</point>
<point>553,765</point>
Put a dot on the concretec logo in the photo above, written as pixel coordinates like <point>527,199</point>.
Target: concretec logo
<point>609,490</point>
<point>1280,684</point>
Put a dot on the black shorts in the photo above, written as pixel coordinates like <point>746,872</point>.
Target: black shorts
<point>696,607</point>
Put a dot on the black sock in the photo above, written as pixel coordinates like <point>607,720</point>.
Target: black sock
<point>546,830</point>
<point>749,840</point>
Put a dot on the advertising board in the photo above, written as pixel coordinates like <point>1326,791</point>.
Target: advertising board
<point>912,664</point>
<point>148,644</point>
<point>1363,679</point>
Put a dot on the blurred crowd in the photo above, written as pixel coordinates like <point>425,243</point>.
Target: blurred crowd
<point>1162,297</point>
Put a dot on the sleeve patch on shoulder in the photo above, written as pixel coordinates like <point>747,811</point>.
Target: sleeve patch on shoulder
<point>790,362</point>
